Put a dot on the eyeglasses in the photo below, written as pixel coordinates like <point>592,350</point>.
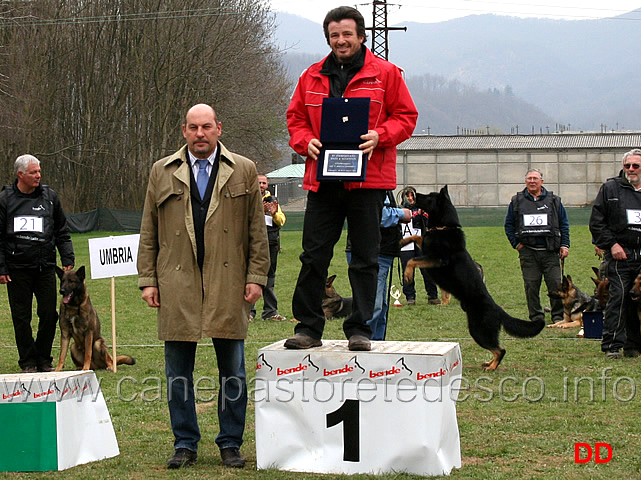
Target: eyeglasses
<point>631,165</point>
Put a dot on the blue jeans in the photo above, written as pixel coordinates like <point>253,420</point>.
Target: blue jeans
<point>378,322</point>
<point>232,395</point>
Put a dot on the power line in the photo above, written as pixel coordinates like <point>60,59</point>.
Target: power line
<point>126,17</point>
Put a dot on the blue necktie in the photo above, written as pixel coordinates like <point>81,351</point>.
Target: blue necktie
<point>203,177</point>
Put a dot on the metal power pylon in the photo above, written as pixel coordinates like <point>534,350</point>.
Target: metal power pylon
<point>380,45</point>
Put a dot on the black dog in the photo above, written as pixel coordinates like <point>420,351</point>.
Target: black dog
<point>452,268</point>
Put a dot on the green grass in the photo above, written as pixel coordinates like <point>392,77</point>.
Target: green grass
<point>506,430</point>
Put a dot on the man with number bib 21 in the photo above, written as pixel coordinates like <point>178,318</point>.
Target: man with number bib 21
<point>537,226</point>
<point>32,226</point>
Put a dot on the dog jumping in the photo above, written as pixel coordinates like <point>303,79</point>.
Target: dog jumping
<point>79,320</point>
<point>452,268</point>
<point>335,306</point>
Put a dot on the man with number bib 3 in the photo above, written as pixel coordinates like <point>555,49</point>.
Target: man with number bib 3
<point>32,226</point>
<point>537,226</point>
<point>615,225</point>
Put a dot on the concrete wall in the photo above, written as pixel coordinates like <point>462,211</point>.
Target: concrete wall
<point>490,179</point>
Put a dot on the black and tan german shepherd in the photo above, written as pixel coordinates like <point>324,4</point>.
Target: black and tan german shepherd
<point>79,320</point>
<point>335,306</point>
<point>452,268</point>
<point>575,302</point>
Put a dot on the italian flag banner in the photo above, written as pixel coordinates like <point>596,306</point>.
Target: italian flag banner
<point>53,421</point>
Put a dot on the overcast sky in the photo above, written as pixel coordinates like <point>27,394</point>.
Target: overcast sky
<point>428,11</point>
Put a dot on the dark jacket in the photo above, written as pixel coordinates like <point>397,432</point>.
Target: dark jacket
<point>613,215</point>
<point>553,236</point>
<point>32,226</point>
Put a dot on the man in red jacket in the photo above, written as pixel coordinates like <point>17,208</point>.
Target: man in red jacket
<point>351,70</point>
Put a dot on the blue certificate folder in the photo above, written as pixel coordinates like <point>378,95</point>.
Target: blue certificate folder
<point>343,121</point>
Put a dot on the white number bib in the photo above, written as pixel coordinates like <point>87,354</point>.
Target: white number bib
<point>28,224</point>
<point>634,217</point>
<point>408,231</point>
<point>538,220</point>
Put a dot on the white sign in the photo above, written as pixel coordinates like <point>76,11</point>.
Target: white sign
<point>329,410</point>
<point>113,256</point>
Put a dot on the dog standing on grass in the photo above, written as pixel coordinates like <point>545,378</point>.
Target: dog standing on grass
<point>79,320</point>
<point>452,268</point>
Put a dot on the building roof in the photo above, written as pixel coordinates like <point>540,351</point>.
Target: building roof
<point>555,141</point>
<point>289,171</point>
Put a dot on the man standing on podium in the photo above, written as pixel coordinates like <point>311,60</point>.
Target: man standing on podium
<point>350,70</point>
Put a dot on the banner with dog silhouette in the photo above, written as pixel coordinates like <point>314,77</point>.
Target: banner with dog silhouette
<point>330,410</point>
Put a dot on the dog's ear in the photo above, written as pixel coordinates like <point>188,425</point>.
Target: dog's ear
<point>596,271</point>
<point>81,273</point>
<point>596,281</point>
<point>330,280</point>
<point>60,272</point>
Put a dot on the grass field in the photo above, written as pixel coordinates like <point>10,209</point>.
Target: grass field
<point>521,421</point>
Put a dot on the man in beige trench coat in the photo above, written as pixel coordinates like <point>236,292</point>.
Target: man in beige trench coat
<point>203,260</point>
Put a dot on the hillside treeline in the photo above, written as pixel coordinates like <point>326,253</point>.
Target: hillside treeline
<point>98,90</point>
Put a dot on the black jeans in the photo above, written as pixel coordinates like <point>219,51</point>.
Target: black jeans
<point>325,216</point>
<point>24,284</point>
<point>620,318</point>
<point>535,266</point>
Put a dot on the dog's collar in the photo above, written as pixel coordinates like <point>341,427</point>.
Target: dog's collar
<point>433,229</point>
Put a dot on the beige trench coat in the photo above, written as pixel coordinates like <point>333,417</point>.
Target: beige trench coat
<point>236,250</point>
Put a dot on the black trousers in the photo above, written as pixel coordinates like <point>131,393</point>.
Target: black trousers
<point>24,284</point>
<point>325,216</point>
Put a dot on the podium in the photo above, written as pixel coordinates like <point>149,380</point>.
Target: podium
<point>53,421</point>
<point>329,410</point>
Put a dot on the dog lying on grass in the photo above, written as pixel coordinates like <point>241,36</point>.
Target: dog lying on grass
<point>79,320</point>
<point>575,302</point>
<point>452,268</point>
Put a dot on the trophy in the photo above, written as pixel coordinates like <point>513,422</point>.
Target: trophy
<point>396,293</point>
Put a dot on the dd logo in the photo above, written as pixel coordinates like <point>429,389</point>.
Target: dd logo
<point>597,452</point>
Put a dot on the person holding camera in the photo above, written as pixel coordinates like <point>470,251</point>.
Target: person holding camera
<point>274,219</point>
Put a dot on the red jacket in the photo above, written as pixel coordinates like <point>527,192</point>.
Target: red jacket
<point>392,114</point>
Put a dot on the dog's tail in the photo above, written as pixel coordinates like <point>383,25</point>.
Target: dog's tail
<point>125,360</point>
<point>521,328</point>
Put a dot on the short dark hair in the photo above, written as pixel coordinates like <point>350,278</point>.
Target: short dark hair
<point>341,13</point>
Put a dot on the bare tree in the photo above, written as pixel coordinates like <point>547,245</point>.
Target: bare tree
<point>98,90</point>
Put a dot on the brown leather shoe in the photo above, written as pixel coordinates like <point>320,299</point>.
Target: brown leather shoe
<point>232,458</point>
<point>359,343</point>
<point>301,341</point>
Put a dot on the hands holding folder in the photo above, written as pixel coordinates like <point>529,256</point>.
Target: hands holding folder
<point>370,140</point>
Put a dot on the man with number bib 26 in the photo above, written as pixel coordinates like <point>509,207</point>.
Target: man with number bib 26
<point>537,226</point>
